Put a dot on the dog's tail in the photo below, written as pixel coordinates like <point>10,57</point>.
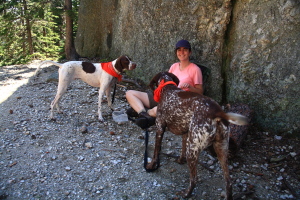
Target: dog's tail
<point>47,61</point>
<point>237,119</point>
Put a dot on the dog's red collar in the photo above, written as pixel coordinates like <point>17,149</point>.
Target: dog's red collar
<point>158,90</point>
<point>108,67</point>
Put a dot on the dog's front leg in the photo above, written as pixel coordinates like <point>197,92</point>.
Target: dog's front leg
<point>155,159</point>
<point>100,118</point>
<point>192,160</point>
<point>182,158</point>
<point>108,96</point>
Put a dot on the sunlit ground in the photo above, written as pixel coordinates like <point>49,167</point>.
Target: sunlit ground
<point>12,83</point>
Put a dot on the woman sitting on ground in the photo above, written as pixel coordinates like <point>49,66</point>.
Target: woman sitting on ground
<point>189,74</point>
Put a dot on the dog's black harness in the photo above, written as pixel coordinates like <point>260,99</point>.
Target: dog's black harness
<point>146,153</point>
<point>146,150</point>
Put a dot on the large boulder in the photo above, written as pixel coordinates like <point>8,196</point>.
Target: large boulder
<point>252,48</point>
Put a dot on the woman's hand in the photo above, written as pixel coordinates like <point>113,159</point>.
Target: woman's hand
<point>185,85</point>
<point>197,89</point>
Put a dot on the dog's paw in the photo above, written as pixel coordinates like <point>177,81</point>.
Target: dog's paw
<point>181,160</point>
<point>53,119</point>
<point>182,194</point>
<point>101,119</point>
<point>150,167</point>
<point>188,193</point>
<point>185,193</point>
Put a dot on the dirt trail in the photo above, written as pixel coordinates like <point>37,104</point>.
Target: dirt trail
<point>76,157</point>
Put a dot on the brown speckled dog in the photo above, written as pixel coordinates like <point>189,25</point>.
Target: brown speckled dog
<point>200,121</point>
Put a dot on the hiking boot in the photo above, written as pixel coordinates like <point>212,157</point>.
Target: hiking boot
<point>132,113</point>
<point>145,120</point>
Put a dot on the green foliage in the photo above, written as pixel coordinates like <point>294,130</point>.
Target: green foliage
<point>38,24</point>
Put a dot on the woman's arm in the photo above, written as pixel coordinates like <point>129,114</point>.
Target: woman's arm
<point>197,89</point>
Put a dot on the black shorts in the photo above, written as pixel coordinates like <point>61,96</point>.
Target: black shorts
<point>152,103</point>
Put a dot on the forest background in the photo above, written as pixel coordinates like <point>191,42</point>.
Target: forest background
<point>36,29</point>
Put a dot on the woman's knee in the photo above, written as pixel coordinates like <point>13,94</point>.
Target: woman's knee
<point>129,93</point>
<point>135,93</point>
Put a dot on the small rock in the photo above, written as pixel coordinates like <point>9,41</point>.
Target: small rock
<point>141,137</point>
<point>293,154</point>
<point>210,162</point>
<point>53,158</point>
<point>68,168</point>
<point>119,116</point>
<point>277,137</point>
<point>280,178</point>
<point>83,129</point>
<point>172,170</point>
<point>235,164</point>
<point>53,77</point>
<point>112,133</point>
<point>88,145</point>
<point>11,181</point>
<point>223,194</point>
<point>80,158</point>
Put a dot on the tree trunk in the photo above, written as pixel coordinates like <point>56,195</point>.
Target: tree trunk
<point>28,28</point>
<point>23,39</point>
<point>70,50</point>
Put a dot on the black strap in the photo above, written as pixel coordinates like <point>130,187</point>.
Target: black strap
<point>146,154</point>
<point>114,93</point>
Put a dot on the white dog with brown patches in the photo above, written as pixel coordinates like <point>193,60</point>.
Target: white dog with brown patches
<point>102,75</point>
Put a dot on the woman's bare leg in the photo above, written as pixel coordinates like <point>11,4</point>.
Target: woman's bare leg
<point>152,112</point>
<point>138,100</point>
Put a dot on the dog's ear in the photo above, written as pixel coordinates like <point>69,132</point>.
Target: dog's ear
<point>154,81</point>
<point>174,77</point>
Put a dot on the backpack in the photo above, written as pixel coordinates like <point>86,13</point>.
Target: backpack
<point>205,74</point>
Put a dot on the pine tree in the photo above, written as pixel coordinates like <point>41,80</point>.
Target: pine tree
<point>70,50</point>
<point>30,29</point>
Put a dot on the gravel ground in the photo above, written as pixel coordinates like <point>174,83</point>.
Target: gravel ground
<point>77,157</point>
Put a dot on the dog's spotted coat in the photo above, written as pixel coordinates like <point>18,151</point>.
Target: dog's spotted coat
<point>200,121</point>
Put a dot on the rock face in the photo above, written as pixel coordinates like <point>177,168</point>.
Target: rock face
<point>263,61</point>
<point>252,48</point>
